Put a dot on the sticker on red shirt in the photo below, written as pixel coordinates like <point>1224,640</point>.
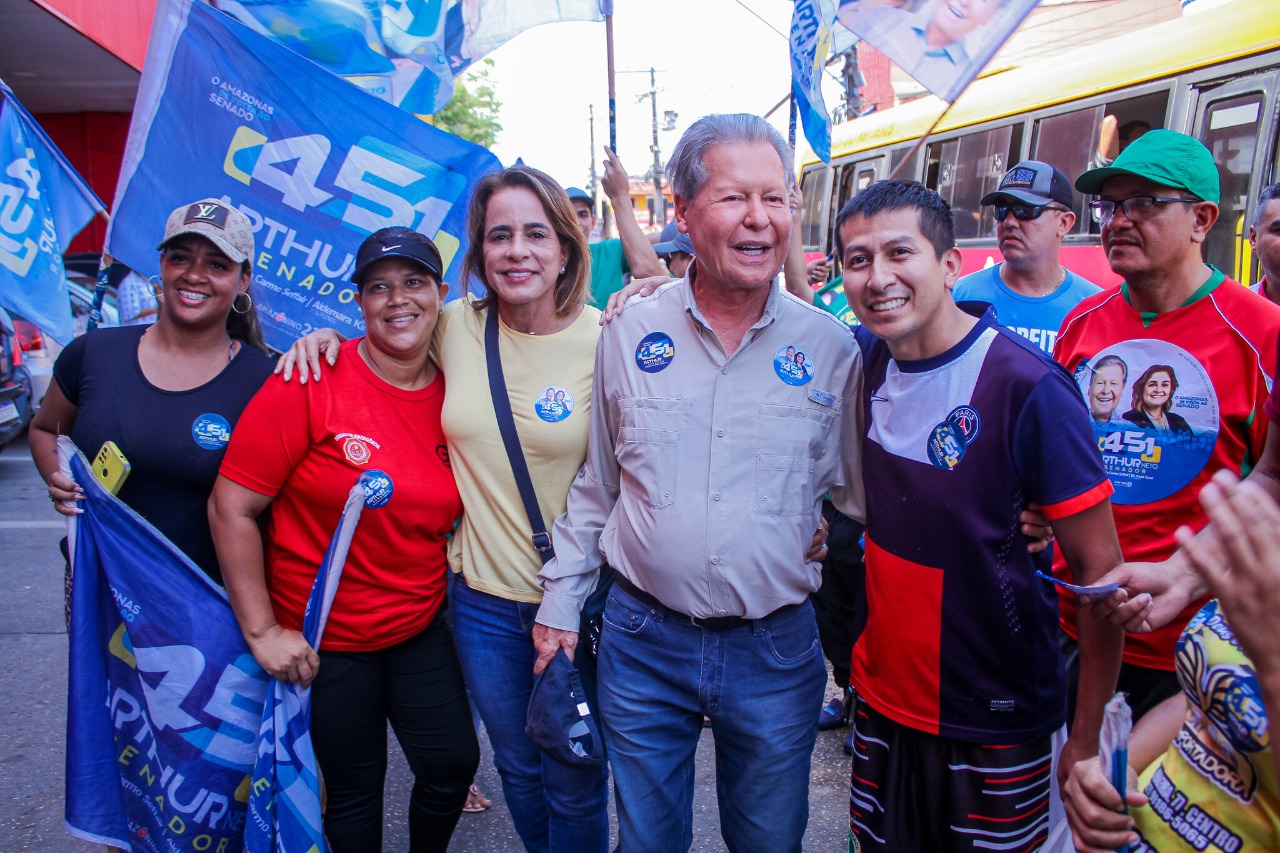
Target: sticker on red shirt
<point>378,488</point>
<point>1154,411</point>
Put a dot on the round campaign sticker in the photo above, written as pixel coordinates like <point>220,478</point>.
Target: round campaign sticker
<point>1154,412</point>
<point>966,422</point>
<point>554,404</point>
<point>792,365</point>
<point>946,447</point>
<point>655,352</point>
<point>378,488</point>
<point>211,431</point>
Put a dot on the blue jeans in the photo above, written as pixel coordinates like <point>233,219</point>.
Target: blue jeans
<point>759,684</point>
<point>554,807</point>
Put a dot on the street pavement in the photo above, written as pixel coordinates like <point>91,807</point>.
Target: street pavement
<point>33,641</point>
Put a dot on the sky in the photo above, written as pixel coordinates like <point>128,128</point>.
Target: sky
<point>710,55</point>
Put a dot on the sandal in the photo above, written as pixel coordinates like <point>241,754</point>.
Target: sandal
<point>476,801</point>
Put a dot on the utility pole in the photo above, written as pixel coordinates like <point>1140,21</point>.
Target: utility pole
<point>853,82</point>
<point>659,202</point>
<point>591,122</point>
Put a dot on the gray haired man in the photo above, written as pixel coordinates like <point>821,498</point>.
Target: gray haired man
<point>722,413</point>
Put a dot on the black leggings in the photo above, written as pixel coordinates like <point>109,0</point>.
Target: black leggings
<point>417,686</point>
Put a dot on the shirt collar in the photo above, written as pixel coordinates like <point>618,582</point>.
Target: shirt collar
<point>767,316</point>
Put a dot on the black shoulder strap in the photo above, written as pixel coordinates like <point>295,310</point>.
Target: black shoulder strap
<point>507,426</point>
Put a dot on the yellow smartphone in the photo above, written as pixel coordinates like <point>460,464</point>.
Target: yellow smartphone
<point>110,467</point>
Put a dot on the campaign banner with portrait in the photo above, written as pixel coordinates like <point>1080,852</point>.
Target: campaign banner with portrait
<point>315,163</point>
<point>1154,411</point>
<point>943,44</point>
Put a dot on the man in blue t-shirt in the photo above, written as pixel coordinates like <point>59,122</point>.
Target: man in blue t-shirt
<point>1030,290</point>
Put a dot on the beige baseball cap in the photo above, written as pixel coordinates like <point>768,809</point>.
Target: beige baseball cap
<point>226,227</point>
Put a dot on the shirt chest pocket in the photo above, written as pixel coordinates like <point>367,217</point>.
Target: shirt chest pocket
<point>648,445</point>
<point>787,440</point>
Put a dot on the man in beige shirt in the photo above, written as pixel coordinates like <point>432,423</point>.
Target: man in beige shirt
<point>722,414</point>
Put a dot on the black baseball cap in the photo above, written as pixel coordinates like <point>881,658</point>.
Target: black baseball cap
<point>1036,183</point>
<point>559,721</point>
<point>397,242</point>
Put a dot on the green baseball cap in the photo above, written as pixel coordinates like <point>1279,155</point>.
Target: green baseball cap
<point>1165,157</point>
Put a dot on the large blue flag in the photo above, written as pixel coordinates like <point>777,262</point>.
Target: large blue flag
<point>407,52</point>
<point>284,806</point>
<point>811,35</point>
<point>315,163</point>
<point>164,697</point>
<point>43,205</point>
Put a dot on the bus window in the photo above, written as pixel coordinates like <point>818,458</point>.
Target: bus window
<point>815,184</point>
<point>964,170</point>
<point>1230,130</point>
<point>1067,141</point>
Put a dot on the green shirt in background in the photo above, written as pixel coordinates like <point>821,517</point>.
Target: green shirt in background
<point>608,269</point>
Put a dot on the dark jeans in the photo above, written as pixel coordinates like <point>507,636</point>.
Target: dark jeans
<point>417,686</point>
<point>840,604</point>
<point>1146,688</point>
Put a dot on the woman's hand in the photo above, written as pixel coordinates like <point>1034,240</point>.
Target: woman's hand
<point>640,286</point>
<point>306,352</point>
<point>1095,809</point>
<point>65,493</point>
<point>285,655</point>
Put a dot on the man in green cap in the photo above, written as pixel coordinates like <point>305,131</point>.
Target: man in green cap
<point>1199,349</point>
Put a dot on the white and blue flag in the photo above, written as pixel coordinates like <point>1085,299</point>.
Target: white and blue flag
<point>43,205</point>
<point>315,163</point>
<point>176,737</point>
<point>164,697</point>
<point>812,26</point>
<point>284,800</point>
<point>407,52</point>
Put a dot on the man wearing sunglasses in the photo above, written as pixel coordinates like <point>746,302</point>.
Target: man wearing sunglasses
<point>1030,290</point>
<point>1156,204</point>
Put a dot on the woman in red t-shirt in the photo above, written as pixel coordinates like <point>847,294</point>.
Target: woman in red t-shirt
<point>386,654</point>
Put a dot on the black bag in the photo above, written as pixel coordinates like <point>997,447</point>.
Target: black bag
<point>593,607</point>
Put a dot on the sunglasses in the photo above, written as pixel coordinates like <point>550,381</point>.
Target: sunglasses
<point>1022,212</point>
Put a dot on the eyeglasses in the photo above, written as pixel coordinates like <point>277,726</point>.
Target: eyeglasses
<point>1023,212</point>
<point>1138,208</point>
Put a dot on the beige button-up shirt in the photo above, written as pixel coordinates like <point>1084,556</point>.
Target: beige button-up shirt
<point>705,474</point>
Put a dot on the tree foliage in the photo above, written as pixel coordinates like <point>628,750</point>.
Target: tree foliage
<point>472,114</point>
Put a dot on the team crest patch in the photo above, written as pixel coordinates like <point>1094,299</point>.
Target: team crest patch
<point>357,448</point>
<point>554,404</point>
<point>966,422</point>
<point>655,352</point>
<point>793,365</point>
<point>378,488</point>
<point>211,431</point>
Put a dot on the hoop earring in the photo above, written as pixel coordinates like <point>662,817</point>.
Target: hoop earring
<point>248,298</point>
<point>157,287</point>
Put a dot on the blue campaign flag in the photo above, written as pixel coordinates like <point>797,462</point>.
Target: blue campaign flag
<point>943,45</point>
<point>811,37</point>
<point>164,698</point>
<point>43,205</point>
<point>315,163</point>
<point>407,52</point>
<point>284,803</point>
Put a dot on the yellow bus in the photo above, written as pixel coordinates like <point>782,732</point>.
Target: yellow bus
<point>1214,75</point>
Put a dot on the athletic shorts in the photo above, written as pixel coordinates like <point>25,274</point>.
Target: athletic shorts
<point>915,791</point>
